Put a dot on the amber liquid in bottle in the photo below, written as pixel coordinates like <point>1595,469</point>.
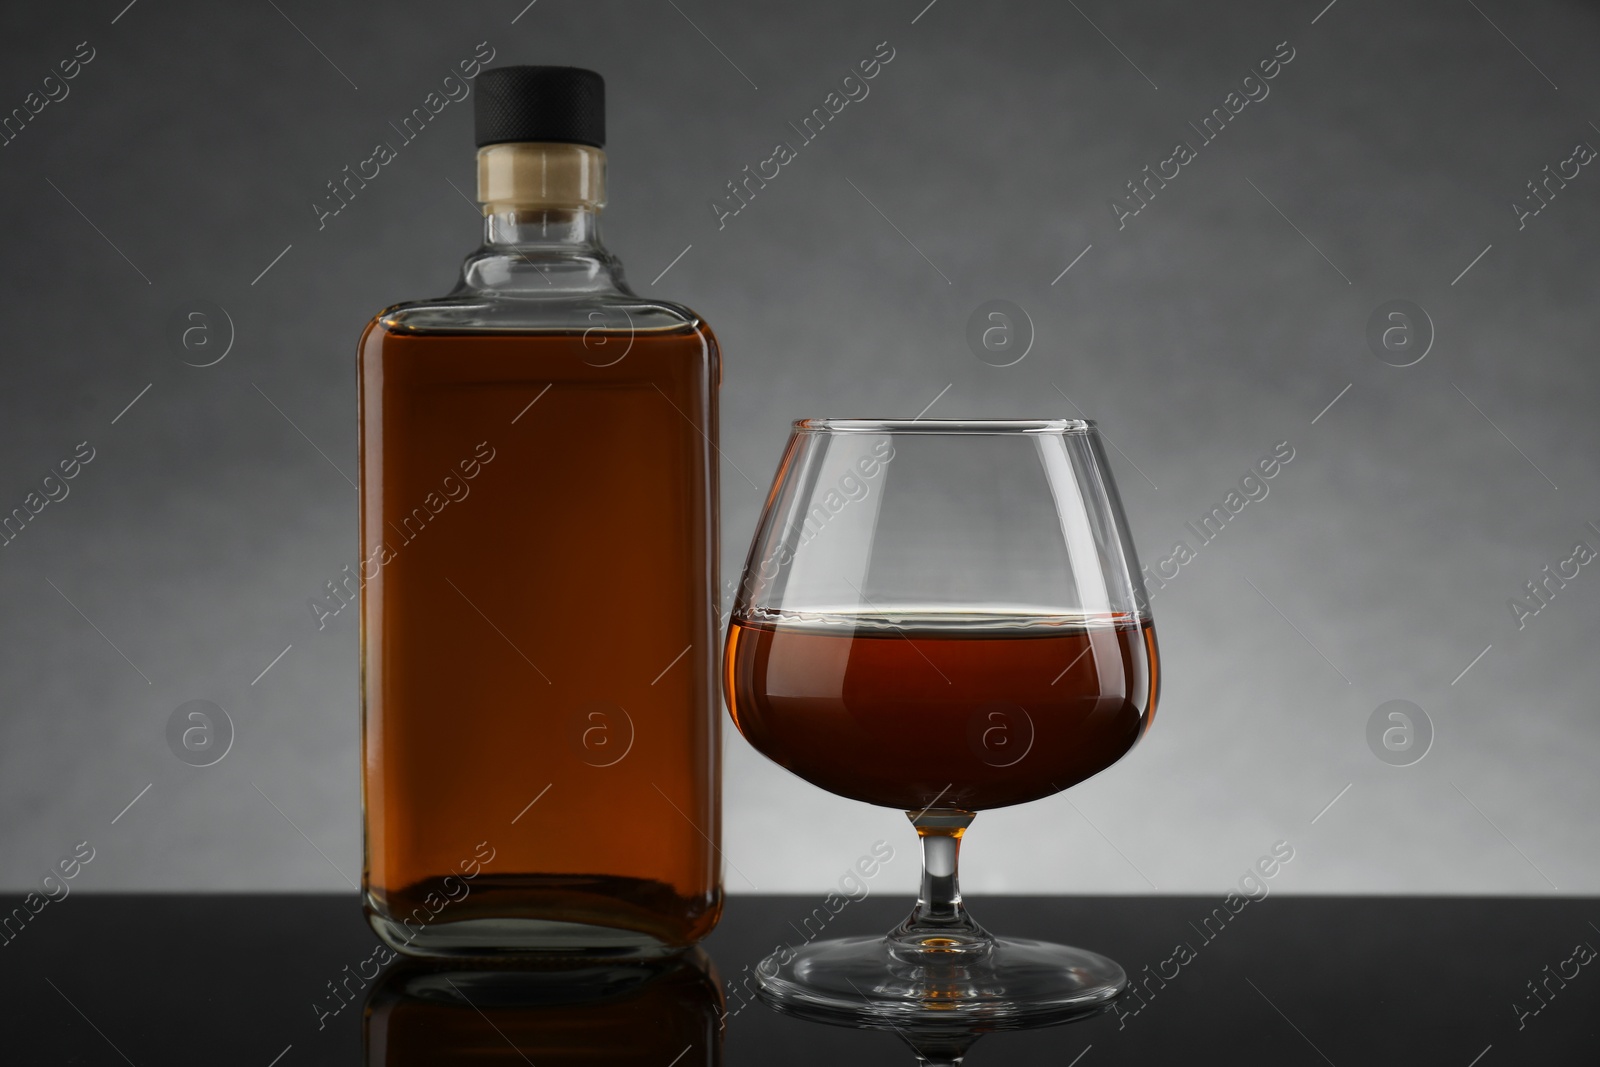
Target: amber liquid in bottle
<point>539,596</point>
<point>965,713</point>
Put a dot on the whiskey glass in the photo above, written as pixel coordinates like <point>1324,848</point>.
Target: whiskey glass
<point>942,617</point>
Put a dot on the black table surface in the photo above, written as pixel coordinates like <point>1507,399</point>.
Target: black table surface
<point>280,981</point>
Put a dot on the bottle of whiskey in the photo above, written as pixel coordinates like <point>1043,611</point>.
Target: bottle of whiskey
<point>539,575</point>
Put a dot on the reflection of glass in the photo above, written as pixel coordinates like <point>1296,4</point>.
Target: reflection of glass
<point>942,617</point>
<point>942,1042</point>
<point>660,1012</point>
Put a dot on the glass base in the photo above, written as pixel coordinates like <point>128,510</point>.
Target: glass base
<point>1002,981</point>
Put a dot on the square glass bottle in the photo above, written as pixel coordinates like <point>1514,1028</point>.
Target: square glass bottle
<point>540,740</point>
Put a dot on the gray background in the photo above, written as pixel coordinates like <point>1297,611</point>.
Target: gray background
<point>1201,335</point>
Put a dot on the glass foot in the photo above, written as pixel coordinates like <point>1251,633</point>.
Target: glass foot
<point>1003,981</point>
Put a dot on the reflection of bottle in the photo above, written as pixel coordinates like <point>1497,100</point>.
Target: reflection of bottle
<point>539,575</point>
<point>656,1013</point>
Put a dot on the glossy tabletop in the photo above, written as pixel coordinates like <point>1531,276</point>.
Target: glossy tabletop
<point>292,980</point>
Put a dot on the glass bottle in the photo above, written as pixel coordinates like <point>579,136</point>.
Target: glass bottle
<point>540,738</point>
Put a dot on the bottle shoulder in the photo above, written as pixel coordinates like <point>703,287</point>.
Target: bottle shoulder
<point>566,312</point>
<point>598,323</point>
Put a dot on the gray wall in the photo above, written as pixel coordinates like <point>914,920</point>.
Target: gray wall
<point>1215,324</point>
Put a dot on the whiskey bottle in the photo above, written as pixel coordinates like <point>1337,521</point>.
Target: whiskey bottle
<point>541,755</point>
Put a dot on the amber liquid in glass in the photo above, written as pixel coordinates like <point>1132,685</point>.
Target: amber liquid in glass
<point>538,518</point>
<point>922,709</point>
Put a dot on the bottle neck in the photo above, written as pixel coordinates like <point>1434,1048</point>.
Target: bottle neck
<point>541,222</point>
<point>513,228</point>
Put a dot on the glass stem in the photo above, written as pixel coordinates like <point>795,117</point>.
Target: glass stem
<point>939,922</point>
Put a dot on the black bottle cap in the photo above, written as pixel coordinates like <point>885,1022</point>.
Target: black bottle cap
<point>541,104</point>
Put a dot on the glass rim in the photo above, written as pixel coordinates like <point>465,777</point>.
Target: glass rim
<point>947,426</point>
